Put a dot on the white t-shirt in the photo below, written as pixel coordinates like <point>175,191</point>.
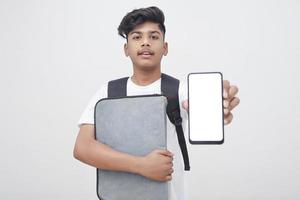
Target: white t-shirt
<point>178,182</point>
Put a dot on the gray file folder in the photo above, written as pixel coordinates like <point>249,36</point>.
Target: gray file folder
<point>135,125</point>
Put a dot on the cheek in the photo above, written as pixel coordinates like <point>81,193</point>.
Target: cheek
<point>161,52</point>
<point>131,50</point>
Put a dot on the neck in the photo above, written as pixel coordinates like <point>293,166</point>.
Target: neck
<point>143,78</point>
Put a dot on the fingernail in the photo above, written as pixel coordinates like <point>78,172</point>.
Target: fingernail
<point>225,94</point>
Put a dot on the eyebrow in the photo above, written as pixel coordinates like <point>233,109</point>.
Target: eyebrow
<point>139,32</point>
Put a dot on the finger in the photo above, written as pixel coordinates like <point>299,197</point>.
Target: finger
<point>233,90</point>
<point>233,103</point>
<point>225,103</point>
<point>226,111</point>
<point>226,85</point>
<point>169,160</point>
<point>228,119</point>
<point>172,158</point>
<point>168,178</point>
<point>165,152</point>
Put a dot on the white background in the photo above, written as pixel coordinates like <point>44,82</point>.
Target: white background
<point>55,54</point>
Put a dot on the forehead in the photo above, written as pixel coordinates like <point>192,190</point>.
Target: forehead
<point>147,27</point>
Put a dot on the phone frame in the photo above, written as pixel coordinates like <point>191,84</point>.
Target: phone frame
<point>206,142</point>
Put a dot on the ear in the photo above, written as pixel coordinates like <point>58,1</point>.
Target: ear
<point>126,49</point>
<point>165,48</point>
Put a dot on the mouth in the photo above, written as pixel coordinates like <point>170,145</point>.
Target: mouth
<point>145,53</point>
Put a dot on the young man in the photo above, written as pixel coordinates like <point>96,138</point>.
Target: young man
<point>144,31</point>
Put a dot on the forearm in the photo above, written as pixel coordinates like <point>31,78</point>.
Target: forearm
<point>157,165</point>
<point>102,156</point>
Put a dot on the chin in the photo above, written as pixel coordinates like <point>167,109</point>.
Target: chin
<point>147,66</point>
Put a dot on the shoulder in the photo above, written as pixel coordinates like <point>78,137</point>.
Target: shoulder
<point>99,94</point>
<point>87,116</point>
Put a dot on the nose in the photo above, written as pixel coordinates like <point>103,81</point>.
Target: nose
<point>146,42</point>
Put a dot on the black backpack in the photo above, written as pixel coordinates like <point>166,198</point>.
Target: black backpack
<point>169,88</point>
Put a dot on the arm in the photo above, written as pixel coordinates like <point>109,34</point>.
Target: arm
<point>94,153</point>
<point>157,165</point>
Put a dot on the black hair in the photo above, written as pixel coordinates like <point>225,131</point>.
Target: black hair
<point>139,16</point>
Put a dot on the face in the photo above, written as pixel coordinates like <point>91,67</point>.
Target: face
<point>145,46</point>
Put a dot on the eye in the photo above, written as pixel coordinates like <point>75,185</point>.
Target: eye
<point>136,37</point>
<point>154,37</point>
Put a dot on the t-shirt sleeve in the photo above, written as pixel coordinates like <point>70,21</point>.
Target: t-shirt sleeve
<point>87,117</point>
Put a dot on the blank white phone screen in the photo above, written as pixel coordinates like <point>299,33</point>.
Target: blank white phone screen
<point>205,108</point>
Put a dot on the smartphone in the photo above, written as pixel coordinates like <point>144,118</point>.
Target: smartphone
<point>206,118</point>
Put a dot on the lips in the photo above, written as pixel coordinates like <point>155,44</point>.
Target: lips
<point>145,53</point>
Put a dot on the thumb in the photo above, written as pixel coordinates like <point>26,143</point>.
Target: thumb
<point>165,152</point>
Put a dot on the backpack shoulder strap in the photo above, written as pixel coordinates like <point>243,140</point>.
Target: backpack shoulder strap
<point>169,88</point>
<point>117,88</point>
